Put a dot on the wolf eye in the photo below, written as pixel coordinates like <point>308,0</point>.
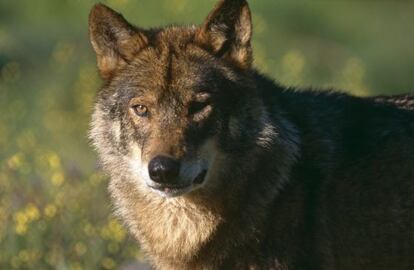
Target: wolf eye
<point>196,107</point>
<point>140,110</point>
<point>200,110</point>
<point>200,103</point>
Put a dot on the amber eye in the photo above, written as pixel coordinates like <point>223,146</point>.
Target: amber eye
<point>140,110</point>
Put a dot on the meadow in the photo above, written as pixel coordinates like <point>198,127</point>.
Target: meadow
<point>55,212</point>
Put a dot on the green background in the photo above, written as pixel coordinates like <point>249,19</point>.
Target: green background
<point>54,209</point>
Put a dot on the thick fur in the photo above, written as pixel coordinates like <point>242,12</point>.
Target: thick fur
<point>295,179</point>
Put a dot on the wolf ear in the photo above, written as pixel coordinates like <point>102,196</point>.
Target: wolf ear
<point>114,40</point>
<point>227,32</point>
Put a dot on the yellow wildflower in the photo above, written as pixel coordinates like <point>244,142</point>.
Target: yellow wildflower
<point>54,160</point>
<point>50,210</point>
<point>108,263</point>
<point>15,161</point>
<point>32,212</point>
<point>58,179</point>
<point>21,229</point>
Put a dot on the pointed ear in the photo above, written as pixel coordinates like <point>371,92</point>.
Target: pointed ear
<point>227,32</point>
<point>114,40</point>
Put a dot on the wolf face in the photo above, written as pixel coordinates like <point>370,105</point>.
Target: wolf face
<point>156,118</point>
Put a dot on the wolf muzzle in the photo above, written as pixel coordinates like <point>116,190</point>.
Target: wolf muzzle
<point>169,178</point>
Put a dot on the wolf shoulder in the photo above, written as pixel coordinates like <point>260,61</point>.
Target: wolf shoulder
<point>337,129</point>
<point>341,116</point>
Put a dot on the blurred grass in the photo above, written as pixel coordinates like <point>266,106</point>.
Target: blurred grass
<point>54,209</point>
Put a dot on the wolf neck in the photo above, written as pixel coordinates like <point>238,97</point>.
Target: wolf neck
<point>177,232</point>
<point>173,230</point>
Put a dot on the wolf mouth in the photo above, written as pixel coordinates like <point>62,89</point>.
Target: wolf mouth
<point>173,190</point>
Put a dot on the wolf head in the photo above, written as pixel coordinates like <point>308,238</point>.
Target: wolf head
<point>177,101</point>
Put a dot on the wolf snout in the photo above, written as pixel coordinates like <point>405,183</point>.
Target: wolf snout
<point>164,170</point>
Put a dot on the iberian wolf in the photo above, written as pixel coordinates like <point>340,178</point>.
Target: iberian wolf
<point>215,166</point>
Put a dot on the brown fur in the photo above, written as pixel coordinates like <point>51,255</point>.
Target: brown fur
<point>295,180</point>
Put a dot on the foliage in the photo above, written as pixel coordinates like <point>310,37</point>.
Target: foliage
<point>54,209</point>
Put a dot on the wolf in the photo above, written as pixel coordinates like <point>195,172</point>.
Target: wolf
<point>213,165</point>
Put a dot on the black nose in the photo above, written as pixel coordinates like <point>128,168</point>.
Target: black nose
<point>163,170</point>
